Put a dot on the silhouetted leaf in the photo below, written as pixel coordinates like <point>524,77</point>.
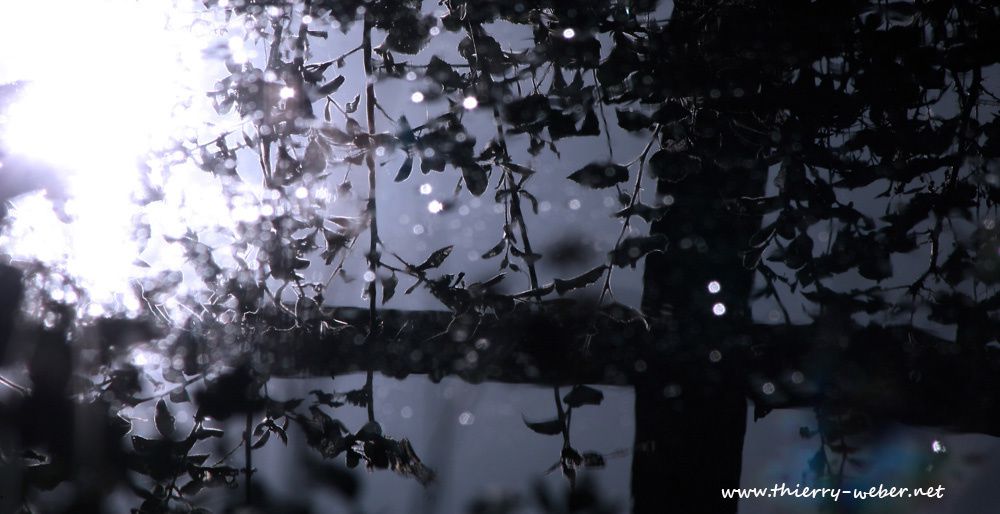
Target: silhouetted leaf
<point>206,432</point>
<point>600,175</point>
<point>593,460</point>
<point>233,392</point>
<point>484,52</point>
<point>281,431</point>
<point>634,248</point>
<point>352,106</point>
<point>262,440</point>
<point>323,433</point>
<point>496,250</point>
<point>552,427</point>
<point>529,258</point>
<point>358,397</point>
<point>408,32</point>
<point>389,287</point>
<point>590,126</point>
<point>584,280</point>
<point>405,169</point>
<point>170,374</point>
<point>436,259</point>
<point>633,120</point>
<point>336,135</point>
<point>673,167</point>
<point>164,420</point>
<point>583,395</point>
<point>314,161</point>
<point>476,178</point>
<point>442,73</point>
<point>331,87</point>
<point>536,292</point>
<point>647,213</point>
<point>179,395</point>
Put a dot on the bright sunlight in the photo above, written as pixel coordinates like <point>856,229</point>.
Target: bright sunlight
<point>106,83</point>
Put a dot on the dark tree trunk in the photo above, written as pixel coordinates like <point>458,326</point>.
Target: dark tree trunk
<point>691,407</point>
<point>687,448</point>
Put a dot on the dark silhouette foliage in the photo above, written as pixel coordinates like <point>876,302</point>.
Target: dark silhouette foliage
<point>801,154</point>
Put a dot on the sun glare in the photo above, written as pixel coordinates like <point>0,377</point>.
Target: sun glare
<point>107,82</point>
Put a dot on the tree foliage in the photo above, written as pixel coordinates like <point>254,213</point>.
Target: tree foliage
<point>863,135</point>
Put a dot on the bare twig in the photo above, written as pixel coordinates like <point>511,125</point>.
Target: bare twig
<point>11,384</point>
<point>248,456</point>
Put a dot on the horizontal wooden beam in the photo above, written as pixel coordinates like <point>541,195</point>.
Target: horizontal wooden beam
<point>893,372</point>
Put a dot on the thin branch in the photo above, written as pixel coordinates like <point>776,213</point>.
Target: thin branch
<point>932,266</point>
<point>248,456</point>
<point>373,255</point>
<point>169,391</point>
<point>24,391</point>
<point>634,199</point>
<point>515,200</point>
<point>604,118</point>
<point>370,393</point>
<point>229,454</point>
<point>335,59</point>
